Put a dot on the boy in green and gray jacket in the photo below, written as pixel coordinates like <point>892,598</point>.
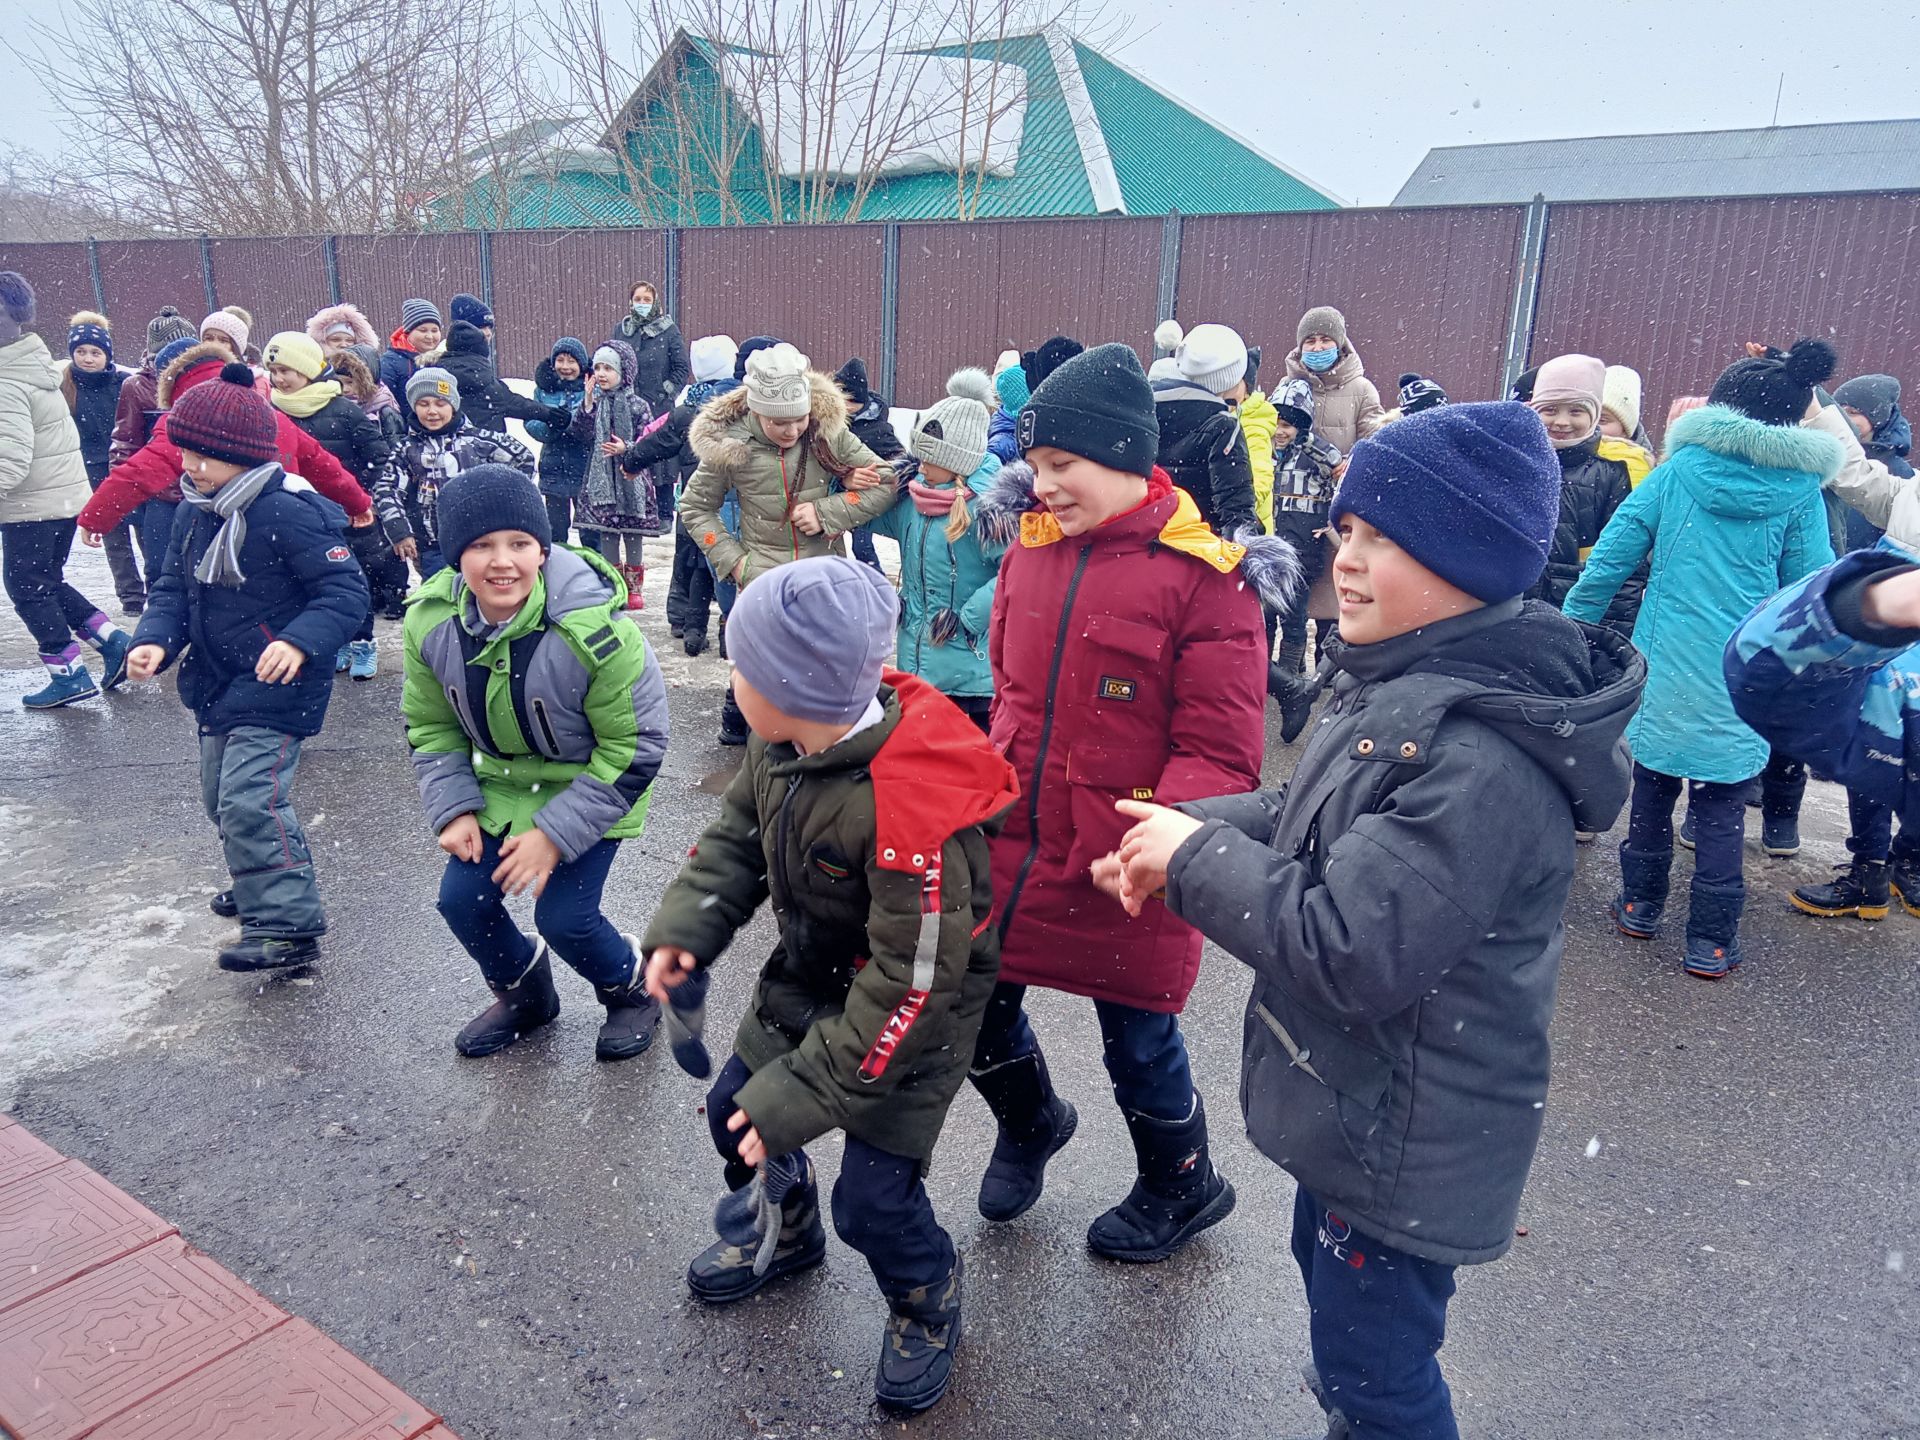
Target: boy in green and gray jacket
<point>538,720</point>
<point>862,811</point>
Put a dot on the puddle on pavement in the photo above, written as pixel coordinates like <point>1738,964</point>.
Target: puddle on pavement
<point>717,782</point>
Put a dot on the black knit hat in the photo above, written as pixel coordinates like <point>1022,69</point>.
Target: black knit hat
<point>1098,405</point>
<point>1776,388</point>
<point>1418,393</point>
<point>852,378</point>
<point>225,419</point>
<point>166,327</point>
<point>487,498</point>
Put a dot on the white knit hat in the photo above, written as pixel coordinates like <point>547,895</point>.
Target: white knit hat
<point>1165,368</point>
<point>952,434</point>
<point>712,357</point>
<point>1214,357</point>
<point>1620,395</point>
<point>1009,359</point>
<point>777,387</point>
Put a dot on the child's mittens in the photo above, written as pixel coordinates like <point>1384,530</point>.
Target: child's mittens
<point>944,625</point>
<point>686,1018</point>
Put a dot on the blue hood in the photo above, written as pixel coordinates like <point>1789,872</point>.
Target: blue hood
<point>1740,467</point>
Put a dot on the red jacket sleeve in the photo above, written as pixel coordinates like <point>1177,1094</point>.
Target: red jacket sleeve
<point>151,470</point>
<point>313,463</point>
<point>1220,695</point>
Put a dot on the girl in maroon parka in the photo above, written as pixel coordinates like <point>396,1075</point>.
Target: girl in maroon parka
<point>1129,663</point>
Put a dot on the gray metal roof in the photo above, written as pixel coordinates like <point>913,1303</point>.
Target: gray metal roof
<point>1784,160</point>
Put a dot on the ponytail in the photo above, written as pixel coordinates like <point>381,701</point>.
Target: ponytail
<point>958,519</point>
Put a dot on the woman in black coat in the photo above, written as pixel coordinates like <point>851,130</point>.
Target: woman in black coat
<point>660,351</point>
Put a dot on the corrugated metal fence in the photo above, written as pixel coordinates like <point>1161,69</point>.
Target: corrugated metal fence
<point>1468,295</point>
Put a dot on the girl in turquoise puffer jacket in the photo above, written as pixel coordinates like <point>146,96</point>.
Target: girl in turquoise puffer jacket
<point>947,569</point>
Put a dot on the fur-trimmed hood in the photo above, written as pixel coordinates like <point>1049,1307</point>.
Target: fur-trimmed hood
<point>190,360</point>
<point>324,320</point>
<point>722,434</point>
<point>356,380</point>
<point>1267,562</point>
<point>1749,469</point>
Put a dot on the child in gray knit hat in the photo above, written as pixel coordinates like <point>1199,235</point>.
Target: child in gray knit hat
<point>862,810</point>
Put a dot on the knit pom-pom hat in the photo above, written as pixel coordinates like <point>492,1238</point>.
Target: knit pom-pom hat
<point>1776,388</point>
<point>226,419</point>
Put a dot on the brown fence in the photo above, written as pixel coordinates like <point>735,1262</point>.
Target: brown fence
<point>1468,295</point>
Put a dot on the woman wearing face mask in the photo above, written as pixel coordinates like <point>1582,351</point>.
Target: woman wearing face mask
<point>660,351</point>
<point>1346,407</point>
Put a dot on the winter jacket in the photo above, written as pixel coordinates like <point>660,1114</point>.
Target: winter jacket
<point>134,413</point>
<point>1346,407</point>
<point>669,438</point>
<point>94,401</point>
<point>874,853</point>
<point>408,491</point>
<point>397,364</point>
<point>1822,683</point>
<point>946,592</point>
<point>1202,449</point>
<point>1303,476</point>
<point>153,472</point>
<point>1876,482</point>
<point>42,473</point>
<point>1003,441</point>
<point>303,586</point>
<point>1259,423</point>
<point>488,400</point>
<point>351,436</point>
<point>1732,515</point>
<point>1595,477</point>
<point>556,720</point>
<point>735,455</point>
<point>660,351</point>
<point>872,428</point>
<point>1128,664</point>
<point>1400,903</point>
<point>563,458</point>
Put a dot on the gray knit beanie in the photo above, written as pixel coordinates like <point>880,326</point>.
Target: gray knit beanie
<point>415,313</point>
<point>1322,320</point>
<point>166,327</point>
<point>432,380</point>
<point>812,636</point>
<point>952,435</point>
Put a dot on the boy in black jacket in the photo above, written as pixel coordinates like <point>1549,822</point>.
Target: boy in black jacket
<point>1400,901</point>
<point>260,589</point>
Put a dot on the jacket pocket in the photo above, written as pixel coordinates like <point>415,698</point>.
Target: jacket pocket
<point>1358,1076</point>
<point>1125,661</point>
<point>549,741</point>
<point>1097,776</point>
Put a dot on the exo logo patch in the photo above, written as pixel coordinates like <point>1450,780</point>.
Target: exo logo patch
<point>1112,688</point>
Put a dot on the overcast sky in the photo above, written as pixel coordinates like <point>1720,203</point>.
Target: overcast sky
<point>1353,94</point>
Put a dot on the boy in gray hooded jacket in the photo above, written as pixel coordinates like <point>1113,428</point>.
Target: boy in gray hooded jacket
<point>1400,901</point>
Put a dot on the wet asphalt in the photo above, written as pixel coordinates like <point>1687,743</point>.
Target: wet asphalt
<point>1737,1255</point>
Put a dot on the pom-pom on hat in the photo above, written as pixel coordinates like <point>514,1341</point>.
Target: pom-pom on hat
<point>973,383</point>
<point>952,434</point>
<point>225,419</point>
<point>166,327</point>
<point>1776,388</point>
<point>1470,491</point>
<point>487,498</point>
<point>297,351</point>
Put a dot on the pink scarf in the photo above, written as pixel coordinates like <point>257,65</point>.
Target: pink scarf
<point>931,502</point>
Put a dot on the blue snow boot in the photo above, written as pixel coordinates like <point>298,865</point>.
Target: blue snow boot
<point>1035,1125</point>
<point>68,684</point>
<point>1644,877</point>
<point>342,658</point>
<point>363,659</point>
<point>113,659</point>
<point>1713,930</point>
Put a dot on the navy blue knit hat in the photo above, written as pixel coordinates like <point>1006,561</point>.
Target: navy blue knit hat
<point>173,350</point>
<point>1097,405</point>
<point>751,344</point>
<point>487,498</point>
<point>1470,491</point>
<point>472,309</point>
<point>89,328</point>
<point>570,345</point>
<point>16,297</point>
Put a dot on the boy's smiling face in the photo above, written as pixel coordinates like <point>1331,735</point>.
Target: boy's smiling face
<point>1081,494</point>
<point>500,568</point>
<point>566,367</point>
<point>1383,591</point>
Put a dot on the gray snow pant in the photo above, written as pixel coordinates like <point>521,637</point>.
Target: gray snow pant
<point>246,783</point>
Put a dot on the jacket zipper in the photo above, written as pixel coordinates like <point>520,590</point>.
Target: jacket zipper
<point>781,837</point>
<point>546,726</point>
<point>1046,739</point>
<point>919,636</point>
<point>786,494</point>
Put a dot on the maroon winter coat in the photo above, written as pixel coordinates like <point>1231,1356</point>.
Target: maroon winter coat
<point>1127,664</point>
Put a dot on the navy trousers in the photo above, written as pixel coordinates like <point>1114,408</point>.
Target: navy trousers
<point>1145,1053</point>
<point>567,915</point>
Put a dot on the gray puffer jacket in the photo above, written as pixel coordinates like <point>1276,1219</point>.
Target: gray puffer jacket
<point>1400,905</point>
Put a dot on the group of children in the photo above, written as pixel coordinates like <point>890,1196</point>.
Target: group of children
<point>1058,784</point>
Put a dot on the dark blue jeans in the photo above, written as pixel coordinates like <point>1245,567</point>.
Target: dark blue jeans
<point>33,565</point>
<point>567,915</point>
<point>153,520</point>
<point>863,550</point>
<point>1719,824</point>
<point>1145,1053</point>
<point>880,1206</point>
<point>430,562</point>
<point>1377,1320</point>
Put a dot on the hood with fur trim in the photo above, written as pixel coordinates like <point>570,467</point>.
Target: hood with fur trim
<point>723,431</point>
<point>167,390</point>
<point>1750,468</point>
<point>325,320</point>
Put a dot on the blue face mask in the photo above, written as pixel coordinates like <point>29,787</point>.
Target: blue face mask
<point>1320,361</point>
<point>643,308</point>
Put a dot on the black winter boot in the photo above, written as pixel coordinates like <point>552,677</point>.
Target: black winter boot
<point>224,905</point>
<point>695,640</point>
<point>1862,888</point>
<point>1337,1426</point>
<point>1177,1195</point>
<point>1644,878</point>
<point>733,724</point>
<point>768,1230</point>
<point>1035,1125</point>
<point>1713,930</point>
<point>1903,873</point>
<point>632,1015</point>
<point>916,1351</point>
<point>259,952</point>
<point>518,1009</point>
<point>1295,694</point>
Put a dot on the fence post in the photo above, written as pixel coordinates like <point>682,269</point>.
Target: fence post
<point>206,273</point>
<point>670,269</point>
<point>332,252</point>
<point>889,307</point>
<point>93,271</point>
<point>1526,295</point>
<point>1169,266</point>
<point>486,268</point>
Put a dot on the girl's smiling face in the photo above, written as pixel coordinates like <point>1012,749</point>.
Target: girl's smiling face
<point>1566,422</point>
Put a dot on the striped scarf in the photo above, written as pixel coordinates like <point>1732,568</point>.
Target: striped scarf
<point>221,564</point>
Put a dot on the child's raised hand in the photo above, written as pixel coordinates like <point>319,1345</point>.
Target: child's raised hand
<point>753,1150</point>
<point>460,838</point>
<point>1894,603</point>
<point>666,968</point>
<point>1147,849</point>
<point>144,662</point>
<point>279,664</point>
<point>526,861</point>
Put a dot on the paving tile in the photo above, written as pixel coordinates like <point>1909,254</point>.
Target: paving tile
<point>62,1222</point>
<point>103,1343</point>
<point>290,1384</point>
<point>21,1155</point>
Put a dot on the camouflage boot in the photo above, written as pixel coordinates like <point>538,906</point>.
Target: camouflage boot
<point>916,1352</point>
<point>768,1229</point>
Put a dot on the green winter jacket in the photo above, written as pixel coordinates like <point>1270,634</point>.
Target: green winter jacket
<point>556,719</point>
<point>874,853</point>
<point>735,454</point>
<point>950,581</point>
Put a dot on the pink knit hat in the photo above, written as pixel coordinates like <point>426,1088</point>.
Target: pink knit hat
<point>1571,380</point>
<point>229,325</point>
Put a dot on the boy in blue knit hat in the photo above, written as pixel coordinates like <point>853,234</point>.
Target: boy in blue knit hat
<point>1400,901</point>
